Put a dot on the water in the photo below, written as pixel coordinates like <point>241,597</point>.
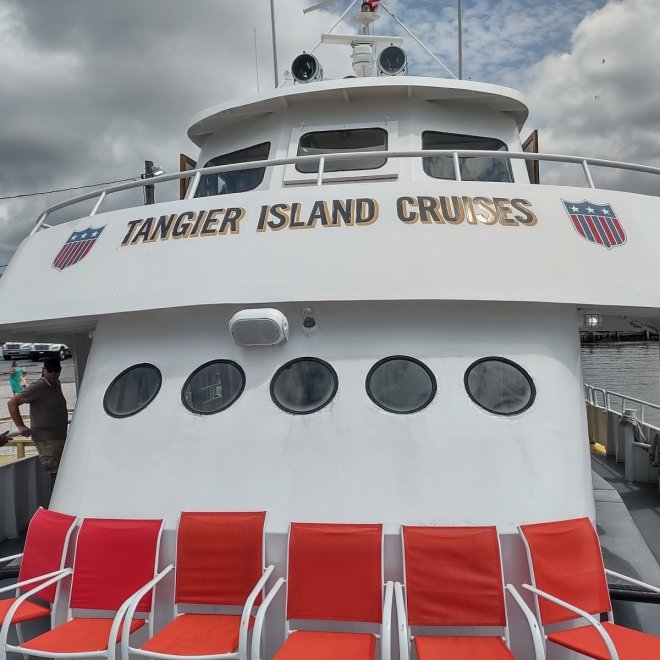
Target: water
<point>630,368</point>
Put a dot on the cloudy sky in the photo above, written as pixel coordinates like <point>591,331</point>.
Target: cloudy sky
<point>90,89</point>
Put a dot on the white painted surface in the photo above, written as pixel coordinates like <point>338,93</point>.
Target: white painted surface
<point>386,260</point>
<point>452,463</point>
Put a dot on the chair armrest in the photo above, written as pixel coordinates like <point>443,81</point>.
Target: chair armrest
<point>607,640</point>
<point>639,583</point>
<point>4,631</point>
<point>259,620</point>
<point>10,558</point>
<point>402,619</point>
<point>537,639</point>
<point>247,610</point>
<point>386,627</point>
<point>25,583</point>
<point>127,610</point>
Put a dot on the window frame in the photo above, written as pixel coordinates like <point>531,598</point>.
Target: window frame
<point>194,372</point>
<point>506,161</point>
<point>390,358</point>
<point>294,361</point>
<point>123,373</point>
<point>238,168</point>
<point>389,170</point>
<point>518,367</point>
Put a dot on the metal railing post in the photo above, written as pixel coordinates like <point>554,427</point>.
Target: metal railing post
<point>319,178</point>
<point>98,203</point>
<point>457,166</point>
<point>192,186</point>
<point>587,173</point>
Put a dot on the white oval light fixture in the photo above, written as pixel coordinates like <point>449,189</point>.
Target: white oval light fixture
<point>259,327</point>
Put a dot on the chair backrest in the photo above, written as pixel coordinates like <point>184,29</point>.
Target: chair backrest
<point>453,576</point>
<point>335,572</point>
<point>45,547</point>
<point>565,561</point>
<point>219,557</point>
<point>113,559</point>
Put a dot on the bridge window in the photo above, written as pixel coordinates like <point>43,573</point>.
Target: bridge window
<point>401,384</point>
<point>132,390</point>
<point>328,142</point>
<point>475,168</point>
<point>499,386</point>
<point>213,387</point>
<point>304,386</point>
<point>235,181</point>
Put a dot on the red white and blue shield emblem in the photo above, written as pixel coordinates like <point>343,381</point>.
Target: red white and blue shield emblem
<point>598,223</point>
<point>77,247</point>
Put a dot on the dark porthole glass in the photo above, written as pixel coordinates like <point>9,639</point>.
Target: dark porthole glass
<point>213,387</point>
<point>401,384</point>
<point>499,386</point>
<point>304,385</point>
<point>133,390</point>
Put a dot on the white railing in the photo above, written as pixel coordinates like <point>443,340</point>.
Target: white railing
<point>611,422</point>
<point>616,402</point>
<point>322,160</point>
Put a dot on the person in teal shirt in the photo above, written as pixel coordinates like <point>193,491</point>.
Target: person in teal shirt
<point>15,374</point>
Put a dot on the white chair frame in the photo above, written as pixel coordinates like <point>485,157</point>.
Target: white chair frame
<point>385,627</point>
<point>19,586</point>
<point>405,633</point>
<point>247,611</point>
<point>538,593</point>
<point>118,618</point>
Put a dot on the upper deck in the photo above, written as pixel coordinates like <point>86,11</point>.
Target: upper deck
<point>390,218</point>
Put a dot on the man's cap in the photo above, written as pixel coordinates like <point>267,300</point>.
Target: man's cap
<point>52,365</point>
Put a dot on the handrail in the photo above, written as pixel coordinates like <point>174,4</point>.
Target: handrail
<point>322,159</point>
<point>591,398</point>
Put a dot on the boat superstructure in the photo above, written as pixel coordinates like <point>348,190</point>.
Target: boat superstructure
<point>362,310</point>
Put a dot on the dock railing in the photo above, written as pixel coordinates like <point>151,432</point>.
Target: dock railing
<point>322,160</point>
<point>24,484</point>
<point>622,424</point>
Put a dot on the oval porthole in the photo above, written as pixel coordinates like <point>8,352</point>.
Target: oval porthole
<point>303,386</point>
<point>213,387</point>
<point>132,390</point>
<point>499,386</point>
<point>401,384</point>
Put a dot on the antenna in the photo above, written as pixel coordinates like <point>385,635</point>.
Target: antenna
<point>392,62</point>
<point>366,16</point>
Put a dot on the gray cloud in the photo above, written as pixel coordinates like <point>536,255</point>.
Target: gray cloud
<point>601,99</point>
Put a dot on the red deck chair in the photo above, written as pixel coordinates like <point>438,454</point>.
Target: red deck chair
<point>570,585</point>
<point>43,557</point>
<point>335,574</point>
<point>219,564</point>
<point>453,580</point>
<point>113,559</point>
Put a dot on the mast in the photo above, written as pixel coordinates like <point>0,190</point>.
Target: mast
<point>272,27</point>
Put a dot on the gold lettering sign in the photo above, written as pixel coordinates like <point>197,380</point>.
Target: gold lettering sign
<point>332,214</point>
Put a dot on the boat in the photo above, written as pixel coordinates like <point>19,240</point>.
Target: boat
<point>364,308</point>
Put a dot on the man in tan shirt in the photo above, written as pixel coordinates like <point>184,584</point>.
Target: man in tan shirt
<point>48,415</point>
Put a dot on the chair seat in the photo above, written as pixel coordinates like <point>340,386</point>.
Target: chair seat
<point>461,648</point>
<point>305,645</point>
<point>197,634</point>
<point>78,636</point>
<point>26,612</point>
<point>630,644</point>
